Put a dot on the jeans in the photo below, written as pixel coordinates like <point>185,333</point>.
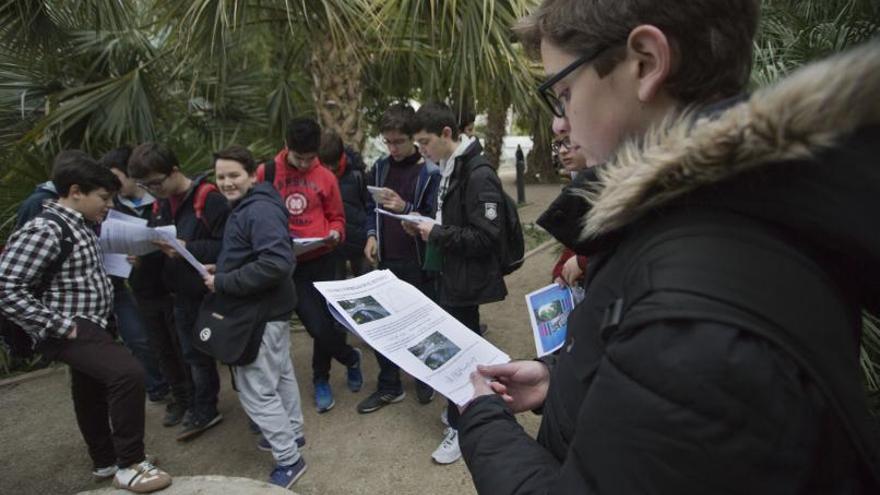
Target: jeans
<point>203,368</point>
<point>328,337</point>
<point>469,316</point>
<point>410,272</point>
<point>157,316</point>
<point>134,334</point>
<point>107,385</point>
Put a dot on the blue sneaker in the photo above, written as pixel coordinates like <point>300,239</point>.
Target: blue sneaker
<point>355,379</point>
<point>263,444</point>
<point>323,396</point>
<point>286,476</point>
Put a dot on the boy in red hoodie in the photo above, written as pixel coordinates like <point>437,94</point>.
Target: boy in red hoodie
<point>311,194</point>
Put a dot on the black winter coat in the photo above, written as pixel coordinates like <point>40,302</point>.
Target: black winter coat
<point>471,232</point>
<point>257,257</point>
<point>353,188</point>
<point>203,237</point>
<point>717,348</point>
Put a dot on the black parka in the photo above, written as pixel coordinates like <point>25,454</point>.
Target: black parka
<point>471,232</point>
<point>717,348</point>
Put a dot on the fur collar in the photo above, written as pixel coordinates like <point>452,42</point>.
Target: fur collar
<point>807,112</point>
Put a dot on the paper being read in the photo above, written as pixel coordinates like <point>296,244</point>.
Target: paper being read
<point>411,330</point>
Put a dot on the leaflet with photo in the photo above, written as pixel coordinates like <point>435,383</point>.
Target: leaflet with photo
<point>411,330</point>
<point>549,308</point>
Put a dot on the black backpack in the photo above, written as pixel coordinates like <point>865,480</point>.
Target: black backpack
<point>513,246</point>
<point>13,338</point>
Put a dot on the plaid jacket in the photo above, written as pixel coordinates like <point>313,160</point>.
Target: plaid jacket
<point>81,288</point>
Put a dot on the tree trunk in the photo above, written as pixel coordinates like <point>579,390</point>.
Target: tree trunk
<point>496,129</point>
<point>541,168</point>
<point>338,89</point>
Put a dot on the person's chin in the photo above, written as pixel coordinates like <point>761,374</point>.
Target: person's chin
<point>232,195</point>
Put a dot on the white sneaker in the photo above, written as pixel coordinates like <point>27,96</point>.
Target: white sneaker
<point>104,472</point>
<point>444,417</point>
<point>448,451</point>
<point>141,478</point>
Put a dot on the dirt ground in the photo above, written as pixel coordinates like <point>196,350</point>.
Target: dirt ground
<point>42,452</point>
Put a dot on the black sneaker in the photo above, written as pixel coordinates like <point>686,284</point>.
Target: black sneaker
<point>377,400</point>
<point>174,413</point>
<point>424,393</point>
<point>198,426</point>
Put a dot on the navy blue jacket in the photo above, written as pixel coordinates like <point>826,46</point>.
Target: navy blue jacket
<point>33,204</point>
<point>256,257</point>
<point>425,204</point>
<point>353,189</point>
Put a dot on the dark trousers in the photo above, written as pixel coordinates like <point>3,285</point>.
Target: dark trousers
<point>158,317</point>
<point>328,338</point>
<point>202,367</point>
<point>410,272</point>
<point>469,316</point>
<point>134,334</point>
<point>107,385</point>
<point>356,261</point>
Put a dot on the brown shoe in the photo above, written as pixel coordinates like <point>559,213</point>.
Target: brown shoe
<point>143,477</point>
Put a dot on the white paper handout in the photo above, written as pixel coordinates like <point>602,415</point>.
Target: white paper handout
<point>408,328</point>
<point>549,308</point>
<point>376,192</point>
<point>406,218</point>
<point>117,265</point>
<point>302,245</point>
<point>127,235</point>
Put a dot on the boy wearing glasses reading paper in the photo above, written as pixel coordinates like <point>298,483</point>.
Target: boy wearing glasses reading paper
<point>733,247</point>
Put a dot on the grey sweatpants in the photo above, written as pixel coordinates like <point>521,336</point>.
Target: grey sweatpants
<point>269,393</point>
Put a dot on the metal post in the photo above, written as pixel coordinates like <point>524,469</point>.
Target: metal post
<point>520,175</point>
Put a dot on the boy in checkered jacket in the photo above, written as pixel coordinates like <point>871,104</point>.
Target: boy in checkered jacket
<point>66,317</point>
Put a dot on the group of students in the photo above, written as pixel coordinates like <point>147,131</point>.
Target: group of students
<point>240,227</point>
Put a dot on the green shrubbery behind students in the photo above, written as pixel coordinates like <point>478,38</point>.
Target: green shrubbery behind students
<point>199,212</point>
<point>68,320</point>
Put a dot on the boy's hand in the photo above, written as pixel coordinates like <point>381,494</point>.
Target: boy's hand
<point>423,229</point>
<point>334,238</point>
<point>72,334</point>
<point>209,282</point>
<point>392,202</point>
<point>371,249</point>
<point>211,268</point>
<point>166,248</point>
<point>133,260</point>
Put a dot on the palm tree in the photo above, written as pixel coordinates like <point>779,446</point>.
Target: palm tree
<point>321,43</point>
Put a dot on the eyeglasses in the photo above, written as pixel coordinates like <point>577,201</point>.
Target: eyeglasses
<point>153,184</point>
<point>546,90</point>
<point>557,146</point>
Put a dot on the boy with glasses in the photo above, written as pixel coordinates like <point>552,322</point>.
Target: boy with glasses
<point>717,348</point>
<point>199,212</point>
<point>409,185</point>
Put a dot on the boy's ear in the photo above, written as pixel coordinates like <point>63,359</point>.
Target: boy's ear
<point>653,54</point>
<point>74,191</point>
<point>447,133</point>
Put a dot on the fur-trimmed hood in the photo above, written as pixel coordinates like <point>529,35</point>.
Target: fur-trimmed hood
<point>803,155</point>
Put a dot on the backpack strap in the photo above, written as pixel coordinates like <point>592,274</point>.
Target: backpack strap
<point>67,242</point>
<point>201,197</point>
<point>266,172</point>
